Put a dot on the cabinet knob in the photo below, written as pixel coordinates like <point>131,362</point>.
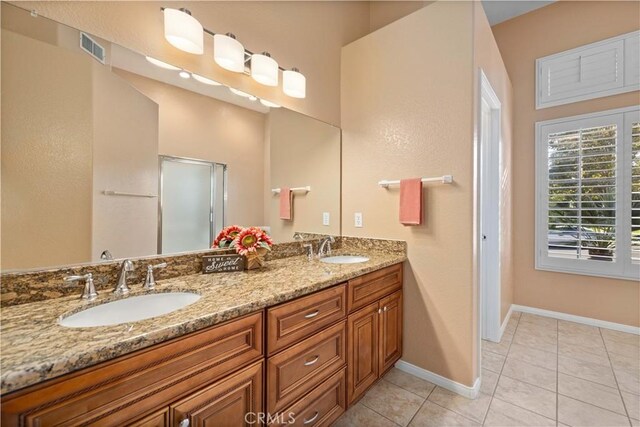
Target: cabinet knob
<point>184,423</point>
<point>385,308</point>
<point>379,311</point>
<point>312,361</point>
<point>312,314</point>
<point>312,419</point>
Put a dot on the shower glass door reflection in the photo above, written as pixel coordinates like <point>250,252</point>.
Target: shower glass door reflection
<point>191,206</point>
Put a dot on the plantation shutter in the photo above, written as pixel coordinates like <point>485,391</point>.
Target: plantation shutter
<point>582,193</point>
<point>635,191</point>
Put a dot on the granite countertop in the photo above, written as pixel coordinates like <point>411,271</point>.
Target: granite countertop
<point>36,348</point>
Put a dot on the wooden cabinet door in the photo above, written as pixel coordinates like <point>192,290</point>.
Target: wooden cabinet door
<point>232,402</point>
<point>362,345</point>
<point>390,344</point>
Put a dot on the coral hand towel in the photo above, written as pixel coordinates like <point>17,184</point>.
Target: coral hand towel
<point>411,201</point>
<point>285,203</point>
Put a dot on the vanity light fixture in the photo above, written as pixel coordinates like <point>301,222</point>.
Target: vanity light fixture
<point>183,30</point>
<point>240,93</point>
<point>264,69</point>
<point>184,74</point>
<point>228,52</point>
<point>269,104</point>
<point>294,83</point>
<point>205,80</point>
<point>186,33</point>
<point>161,64</point>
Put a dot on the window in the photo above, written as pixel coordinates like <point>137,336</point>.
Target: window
<point>588,194</point>
<point>604,68</point>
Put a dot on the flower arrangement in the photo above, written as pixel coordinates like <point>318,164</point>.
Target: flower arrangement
<point>251,242</point>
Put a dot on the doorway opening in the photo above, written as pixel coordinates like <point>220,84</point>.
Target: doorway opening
<point>490,165</point>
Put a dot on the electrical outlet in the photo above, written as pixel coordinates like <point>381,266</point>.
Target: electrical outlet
<point>358,219</point>
<point>325,218</point>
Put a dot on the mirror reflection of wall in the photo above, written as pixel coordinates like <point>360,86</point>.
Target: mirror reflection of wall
<point>83,144</point>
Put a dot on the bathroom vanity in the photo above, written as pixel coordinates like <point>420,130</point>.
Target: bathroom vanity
<point>308,357</point>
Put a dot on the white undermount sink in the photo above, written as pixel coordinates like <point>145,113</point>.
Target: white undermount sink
<point>344,259</point>
<point>128,310</point>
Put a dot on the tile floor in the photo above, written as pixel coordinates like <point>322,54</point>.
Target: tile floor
<point>544,372</point>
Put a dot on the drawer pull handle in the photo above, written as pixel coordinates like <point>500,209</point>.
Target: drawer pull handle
<point>311,362</point>
<point>312,419</point>
<point>312,314</point>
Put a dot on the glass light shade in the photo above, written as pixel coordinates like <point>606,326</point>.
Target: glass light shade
<point>161,64</point>
<point>269,104</point>
<point>183,31</point>
<point>294,84</point>
<point>264,69</point>
<point>240,93</point>
<point>228,53</point>
<point>205,80</point>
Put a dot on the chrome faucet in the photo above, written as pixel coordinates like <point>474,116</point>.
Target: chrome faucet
<point>308,247</point>
<point>89,292</point>
<point>324,249</point>
<point>121,287</point>
<point>150,281</point>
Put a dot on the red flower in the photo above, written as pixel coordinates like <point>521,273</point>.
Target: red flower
<point>250,239</point>
<point>226,236</point>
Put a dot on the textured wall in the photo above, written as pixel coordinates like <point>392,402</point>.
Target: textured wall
<point>407,112</point>
<point>487,57</point>
<point>552,29</point>
<point>304,151</point>
<point>125,158</point>
<point>200,127</point>
<point>46,197</point>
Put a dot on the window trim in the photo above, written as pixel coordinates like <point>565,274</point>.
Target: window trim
<point>622,267</point>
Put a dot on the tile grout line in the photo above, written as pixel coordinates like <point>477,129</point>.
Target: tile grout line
<point>484,419</point>
<point>423,403</point>
<point>615,378</point>
<point>386,418</point>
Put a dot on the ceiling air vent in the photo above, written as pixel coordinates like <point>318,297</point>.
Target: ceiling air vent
<point>92,47</point>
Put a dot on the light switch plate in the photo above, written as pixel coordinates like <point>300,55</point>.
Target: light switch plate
<point>358,219</point>
<point>325,218</point>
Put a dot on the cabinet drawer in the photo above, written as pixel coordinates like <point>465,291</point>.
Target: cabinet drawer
<point>320,407</point>
<point>157,419</point>
<point>293,321</point>
<point>121,390</point>
<point>373,286</point>
<point>293,372</point>
<point>232,402</point>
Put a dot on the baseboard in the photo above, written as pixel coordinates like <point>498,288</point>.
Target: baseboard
<point>506,321</point>
<point>577,319</point>
<point>439,380</point>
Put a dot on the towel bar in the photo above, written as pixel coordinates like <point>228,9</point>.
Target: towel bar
<point>445,179</point>
<point>305,189</point>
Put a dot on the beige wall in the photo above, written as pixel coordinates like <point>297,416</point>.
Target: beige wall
<point>304,151</point>
<point>551,29</point>
<point>125,158</point>
<point>410,115</point>
<point>487,57</point>
<point>200,127</point>
<point>51,175</point>
<point>307,35</point>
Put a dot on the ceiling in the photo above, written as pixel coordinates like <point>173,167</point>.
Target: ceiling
<point>502,10</point>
